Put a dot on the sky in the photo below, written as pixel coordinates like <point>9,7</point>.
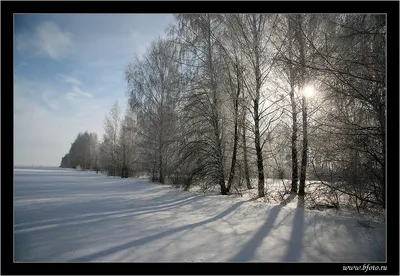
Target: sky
<point>68,72</point>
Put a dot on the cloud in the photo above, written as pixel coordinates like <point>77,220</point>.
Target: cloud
<point>26,89</point>
<point>48,40</point>
<point>76,93</point>
<point>25,107</point>
<point>52,103</point>
<point>22,42</point>
<point>69,79</point>
<point>22,64</point>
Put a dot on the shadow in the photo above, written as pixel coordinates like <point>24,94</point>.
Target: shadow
<point>294,250</point>
<point>300,202</point>
<point>171,197</point>
<point>249,249</point>
<point>288,199</point>
<point>144,240</point>
<point>98,217</point>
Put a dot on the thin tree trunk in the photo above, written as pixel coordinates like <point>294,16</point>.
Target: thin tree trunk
<point>95,164</point>
<point>224,190</point>
<point>233,162</point>
<point>153,172</point>
<point>257,143</point>
<point>257,138</point>
<point>294,114</point>
<point>246,163</point>
<point>236,135</point>
<point>303,169</point>
<point>294,146</point>
<point>215,114</point>
<point>161,172</point>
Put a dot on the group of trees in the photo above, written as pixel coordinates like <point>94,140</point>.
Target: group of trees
<point>117,151</point>
<point>115,154</point>
<point>222,99</point>
<point>83,153</point>
<point>349,147</point>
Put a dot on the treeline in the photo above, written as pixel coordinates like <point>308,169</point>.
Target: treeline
<point>83,153</point>
<point>223,99</point>
<point>114,155</point>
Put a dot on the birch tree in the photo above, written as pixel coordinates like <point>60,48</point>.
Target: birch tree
<point>254,34</point>
<point>153,92</point>
<point>204,109</point>
<point>109,146</point>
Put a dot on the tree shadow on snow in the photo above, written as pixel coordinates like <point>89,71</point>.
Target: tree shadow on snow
<point>293,252</point>
<point>144,240</point>
<point>288,199</point>
<point>84,219</point>
<point>249,249</point>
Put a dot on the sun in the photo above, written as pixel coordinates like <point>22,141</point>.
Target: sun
<point>309,91</point>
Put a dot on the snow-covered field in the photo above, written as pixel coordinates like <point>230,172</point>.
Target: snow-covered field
<point>63,215</point>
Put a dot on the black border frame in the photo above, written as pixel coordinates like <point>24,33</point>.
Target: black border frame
<point>391,8</point>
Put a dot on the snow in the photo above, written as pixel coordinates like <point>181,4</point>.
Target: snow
<point>64,215</point>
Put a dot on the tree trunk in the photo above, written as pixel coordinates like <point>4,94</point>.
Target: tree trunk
<point>153,172</point>
<point>303,169</point>
<point>224,190</point>
<point>294,114</point>
<point>215,112</point>
<point>221,175</point>
<point>245,160</point>
<point>257,143</point>
<point>294,145</point>
<point>161,172</point>
<point>233,162</point>
<point>236,134</point>
<point>257,138</point>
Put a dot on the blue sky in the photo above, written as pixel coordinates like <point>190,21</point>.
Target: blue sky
<point>68,71</point>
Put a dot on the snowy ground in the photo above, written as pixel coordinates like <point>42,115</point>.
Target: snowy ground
<point>62,215</point>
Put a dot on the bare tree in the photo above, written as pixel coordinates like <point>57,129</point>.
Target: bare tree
<point>94,152</point>
<point>109,146</point>
<point>254,34</point>
<point>204,108</point>
<point>349,58</point>
<point>127,144</point>
<point>304,152</point>
<point>153,95</point>
<point>292,80</point>
<point>245,148</point>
